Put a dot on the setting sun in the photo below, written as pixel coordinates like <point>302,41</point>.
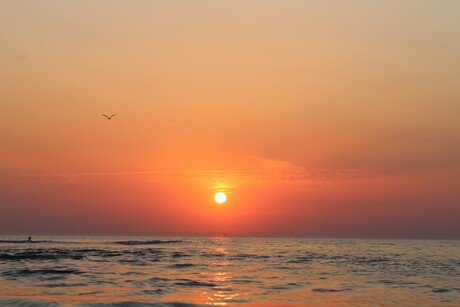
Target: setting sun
<point>220,197</point>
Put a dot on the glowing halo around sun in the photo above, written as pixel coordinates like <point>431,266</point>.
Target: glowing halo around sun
<point>220,197</point>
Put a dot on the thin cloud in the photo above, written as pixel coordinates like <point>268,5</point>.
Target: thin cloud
<point>263,170</point>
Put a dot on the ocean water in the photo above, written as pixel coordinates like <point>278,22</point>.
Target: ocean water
<point>199,271</point>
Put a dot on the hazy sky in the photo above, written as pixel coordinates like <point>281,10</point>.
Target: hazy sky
<point>337,118</point>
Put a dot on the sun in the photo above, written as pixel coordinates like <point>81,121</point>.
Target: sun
<point>220,197</point>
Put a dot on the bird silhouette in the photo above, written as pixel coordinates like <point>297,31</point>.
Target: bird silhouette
<point>109,117</point>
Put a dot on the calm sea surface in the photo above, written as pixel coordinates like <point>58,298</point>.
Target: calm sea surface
<point>187,271</point>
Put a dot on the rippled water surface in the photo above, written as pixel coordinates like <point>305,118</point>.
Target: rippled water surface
<point>166,271</point>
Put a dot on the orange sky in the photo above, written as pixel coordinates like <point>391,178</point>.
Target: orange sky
<point>318,118</point>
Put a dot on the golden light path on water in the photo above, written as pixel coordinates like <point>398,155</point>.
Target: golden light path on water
<point>224,293</point>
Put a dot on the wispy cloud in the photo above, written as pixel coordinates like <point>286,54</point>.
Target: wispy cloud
<point>261,170</point>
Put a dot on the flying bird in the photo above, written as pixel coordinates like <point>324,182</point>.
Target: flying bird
<point>109,117</point>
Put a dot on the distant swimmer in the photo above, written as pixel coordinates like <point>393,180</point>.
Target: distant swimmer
<point>30,239</point>
<point>108,117</point>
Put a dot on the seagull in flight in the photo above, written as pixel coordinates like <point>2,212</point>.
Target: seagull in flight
<point>108,117</point>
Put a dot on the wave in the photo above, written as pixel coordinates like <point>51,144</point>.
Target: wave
<point>26,272</point>
<point>39,254</point>
<point>396,282</point>
<point>181,265</point>
<point>327,290</point>
<point>139,304</point>
<point>148,242</point>
<point>29,242</point>
<point>179,254</point>
<point>283,287</point>
<point>446,289</point>
<point>27,303</point>
<point>193,283</point>
<point>42,254</point>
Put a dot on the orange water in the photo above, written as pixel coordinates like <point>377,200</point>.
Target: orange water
<point>141,271</point>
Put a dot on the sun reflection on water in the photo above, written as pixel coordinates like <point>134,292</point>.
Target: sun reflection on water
<point>224,291</point>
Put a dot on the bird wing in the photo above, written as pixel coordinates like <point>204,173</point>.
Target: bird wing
<point>105,116</point>
<point>112,115</point>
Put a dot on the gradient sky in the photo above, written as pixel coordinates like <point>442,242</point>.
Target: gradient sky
<point>318,118</point>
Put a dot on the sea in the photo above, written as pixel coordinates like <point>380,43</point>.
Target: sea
<point>221,271</point>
